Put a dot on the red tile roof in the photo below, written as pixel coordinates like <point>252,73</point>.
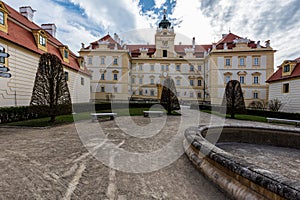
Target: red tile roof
<point>108,39</point>
<point>229,40</point>
<point>277,76</point>
<point>21,36</point>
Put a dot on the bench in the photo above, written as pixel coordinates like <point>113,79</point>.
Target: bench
<point>152,113</point>
<point>94,116</point>
<point>297,122</point>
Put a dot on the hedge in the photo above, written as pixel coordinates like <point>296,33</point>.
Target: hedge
<point>14,114</point>
<point>262,113</point>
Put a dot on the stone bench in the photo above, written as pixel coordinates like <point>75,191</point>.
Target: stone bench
<point>297,122</point>
<point>94,116</point>
<point>153,113</point>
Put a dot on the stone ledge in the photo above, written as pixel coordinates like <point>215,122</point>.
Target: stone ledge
<point>268,185</point>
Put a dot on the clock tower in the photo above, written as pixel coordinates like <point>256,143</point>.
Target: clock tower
<point>164,39</point>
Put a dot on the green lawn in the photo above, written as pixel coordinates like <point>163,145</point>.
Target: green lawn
<point>64,119</point>
<point>239,116</point>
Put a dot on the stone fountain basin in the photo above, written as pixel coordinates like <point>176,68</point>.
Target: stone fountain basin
<point>235,157</point>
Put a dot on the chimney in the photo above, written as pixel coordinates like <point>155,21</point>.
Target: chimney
<point>27,12</point>
<point>50,28</point>
<point>194,42</point>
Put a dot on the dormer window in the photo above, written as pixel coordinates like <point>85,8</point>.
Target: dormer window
<point>286,68</point>
<point>2,22</point>
<point>3,17</point>
<point>41,39</point>
<point>64,50</point>
<point>66,54</point>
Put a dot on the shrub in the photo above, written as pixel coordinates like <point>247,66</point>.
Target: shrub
<point>274,105</point>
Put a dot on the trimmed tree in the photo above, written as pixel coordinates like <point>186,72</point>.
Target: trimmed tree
<point>168,98</point>
<point>50,92</point>
<point>233,98</point>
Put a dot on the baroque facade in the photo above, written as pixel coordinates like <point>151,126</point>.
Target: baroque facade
<point>200,72</point>
<point>25,42</point>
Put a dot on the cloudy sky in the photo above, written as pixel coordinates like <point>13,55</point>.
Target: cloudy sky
<point>85,21</point>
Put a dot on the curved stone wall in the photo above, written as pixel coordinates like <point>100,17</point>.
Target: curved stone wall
<point>240,179</point>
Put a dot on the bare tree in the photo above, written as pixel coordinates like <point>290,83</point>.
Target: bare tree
<point>275,105</point>
<point>50,92</point>
<point>168,98</point>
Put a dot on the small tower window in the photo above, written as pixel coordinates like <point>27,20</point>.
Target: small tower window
<point>165,53</point>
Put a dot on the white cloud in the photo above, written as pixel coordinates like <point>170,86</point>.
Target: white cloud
<point>159,3</point>
<point>277,20</point>
<point>193,24</point>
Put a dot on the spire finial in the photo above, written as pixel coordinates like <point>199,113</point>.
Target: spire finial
<point>229,30</point>
<point>165,13</point>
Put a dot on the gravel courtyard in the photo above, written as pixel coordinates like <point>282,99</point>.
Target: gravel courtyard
<point>53,163</point>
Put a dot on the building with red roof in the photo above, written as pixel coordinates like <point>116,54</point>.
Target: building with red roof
<point>200,72</point>
<point>284,85</point>
<point>25,42</point>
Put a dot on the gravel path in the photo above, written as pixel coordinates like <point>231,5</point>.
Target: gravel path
<point>53,163</point>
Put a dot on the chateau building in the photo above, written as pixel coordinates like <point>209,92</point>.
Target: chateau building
<point>200,72</point>
<point>284,85</point>
<point>25,42</point>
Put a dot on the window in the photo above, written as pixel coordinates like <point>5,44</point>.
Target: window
<point>256,61</point>
<point>2,59</point>
<point>227,79</point>
<point>199,82</point>
<point>152,67</point>
<point>1,17</point>
<point>165,53</point>
<point>191,68</point>
<point>141,81</point>
<point>162,68</point>
<point>242,79</point>
<point>141,67</point>
<point>102,60</point>
<point>242,61</point>
<point>199,67</point>
<point>90,60</point>
<point>133,80</point>
<point>191,94</point>
<point>102,89</point>
<point>255,95</point>
<point>152,81</point>
<point>286,88</point>
<point>178,94</point>
<point>115,90</point>
<point>141,92</point>
<point>286,68</point>
<point>115,77</point>
<point>66,76</point>
<point>191,82</point>
<point>151,92</point>
<point>199,95</point>
<point>178,82</point>
<point>177,67</point>
<point>255,79</point>
<point>115,61</point>
<point>82,81</point>
<point>102,76</point>
<point>66,54</point>
<point>167,67</point>
<point>227,62</point>
<point>42,40</point>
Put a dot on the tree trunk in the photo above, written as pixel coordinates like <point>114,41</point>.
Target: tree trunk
<point>52,119</point>
<point>232,115</point>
